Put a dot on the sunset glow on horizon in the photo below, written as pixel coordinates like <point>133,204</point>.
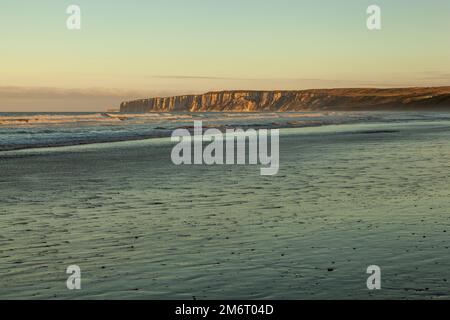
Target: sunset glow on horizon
<point>131,49</point>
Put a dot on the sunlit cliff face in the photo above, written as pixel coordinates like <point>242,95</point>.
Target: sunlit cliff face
<point>321,99</point>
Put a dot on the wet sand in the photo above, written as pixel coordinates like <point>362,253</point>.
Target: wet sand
<point>346,197</point>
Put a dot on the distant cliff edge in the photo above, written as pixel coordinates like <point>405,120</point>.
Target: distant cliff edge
<point>432,98</point>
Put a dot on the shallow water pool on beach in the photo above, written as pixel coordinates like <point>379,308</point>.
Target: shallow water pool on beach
<point>346,197</point>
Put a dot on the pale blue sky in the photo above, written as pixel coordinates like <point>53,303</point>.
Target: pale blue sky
<point>174,46</point>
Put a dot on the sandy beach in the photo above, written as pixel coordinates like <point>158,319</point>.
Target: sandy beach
<point>346,197</point>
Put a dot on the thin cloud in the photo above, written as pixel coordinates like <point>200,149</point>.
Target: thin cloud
<point>11,92</point>
<point>303,83</point>
<point>436,75</point>
<point>197,77</point>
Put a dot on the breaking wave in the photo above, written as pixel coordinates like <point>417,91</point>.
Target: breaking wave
<point>33,130</point>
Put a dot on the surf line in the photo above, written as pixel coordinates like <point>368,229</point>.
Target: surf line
<point>235,151</point>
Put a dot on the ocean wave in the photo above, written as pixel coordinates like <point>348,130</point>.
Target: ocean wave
<point>48,119</point>
<point>22,131</point>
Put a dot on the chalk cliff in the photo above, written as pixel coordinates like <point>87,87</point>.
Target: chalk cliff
<point>433,98</point>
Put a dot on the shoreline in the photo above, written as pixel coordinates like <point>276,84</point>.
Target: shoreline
<point>141,226</point>
<point>331,128</point>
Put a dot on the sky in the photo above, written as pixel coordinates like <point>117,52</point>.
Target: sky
<point>128,49</point>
